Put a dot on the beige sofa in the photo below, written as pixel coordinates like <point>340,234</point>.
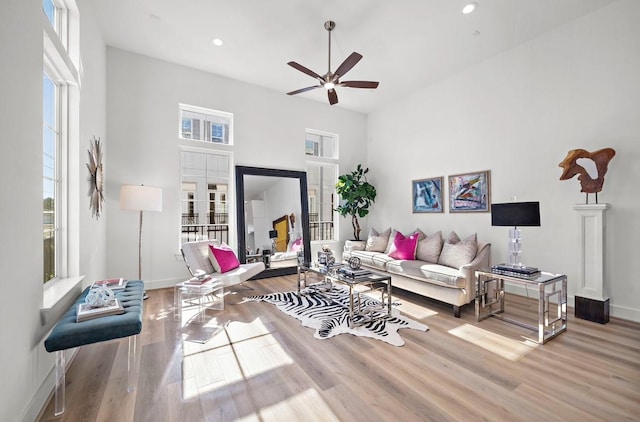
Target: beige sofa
<point>443,269</point>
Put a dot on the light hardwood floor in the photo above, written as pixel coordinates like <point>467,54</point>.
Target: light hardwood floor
<point>264,366</point>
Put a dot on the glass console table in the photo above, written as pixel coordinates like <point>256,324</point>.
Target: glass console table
<point>552,301</point>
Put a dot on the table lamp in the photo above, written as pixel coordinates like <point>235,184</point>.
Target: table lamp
<point>140,198</point>
<point>516,214</point>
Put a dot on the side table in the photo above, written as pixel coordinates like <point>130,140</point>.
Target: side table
<point>208,295</point>
<point>552,293</point>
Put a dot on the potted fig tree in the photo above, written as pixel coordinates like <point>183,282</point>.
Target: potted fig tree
<point>357,196</point>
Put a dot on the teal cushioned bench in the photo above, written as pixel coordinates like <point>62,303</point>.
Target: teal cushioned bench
<point>68,333</point>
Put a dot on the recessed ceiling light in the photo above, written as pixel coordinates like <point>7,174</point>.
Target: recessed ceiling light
<point>217,42</point>
<point>470,8</point>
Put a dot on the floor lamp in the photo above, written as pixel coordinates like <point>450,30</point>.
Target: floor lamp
<point>140,198</point>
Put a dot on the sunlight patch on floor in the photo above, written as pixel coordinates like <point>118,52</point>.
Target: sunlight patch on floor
<point>306,406</point>
<point>417,312</point>
<point>496,343</point>
<point>236,353</point>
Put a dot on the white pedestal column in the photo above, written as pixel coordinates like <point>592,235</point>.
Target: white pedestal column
<point>591,298</point>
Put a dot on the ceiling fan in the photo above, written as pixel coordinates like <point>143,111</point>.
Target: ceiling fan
<point>331,80</point>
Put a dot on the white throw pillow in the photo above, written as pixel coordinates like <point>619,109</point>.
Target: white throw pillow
<point>377,242</point>
<point>456,254</point>
<point>429,248</point>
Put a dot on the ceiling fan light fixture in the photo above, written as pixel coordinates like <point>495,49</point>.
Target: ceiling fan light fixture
<point>331,80</point>
<point>217,42</point>
<point>469,8</point>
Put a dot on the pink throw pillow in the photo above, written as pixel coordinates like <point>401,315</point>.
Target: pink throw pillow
<point>296,245</point>
<point>404,247</point>
<point>223,258</point>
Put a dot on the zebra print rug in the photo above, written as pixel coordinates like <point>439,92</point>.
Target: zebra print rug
<point>328,312</point>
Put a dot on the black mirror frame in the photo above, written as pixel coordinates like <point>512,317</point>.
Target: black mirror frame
<point>241,171</point>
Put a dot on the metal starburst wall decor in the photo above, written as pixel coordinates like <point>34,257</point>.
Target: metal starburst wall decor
<point>96,177</point>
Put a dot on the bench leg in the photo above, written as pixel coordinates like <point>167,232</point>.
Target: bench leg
<point>60,381</point>
<point>131,364</point>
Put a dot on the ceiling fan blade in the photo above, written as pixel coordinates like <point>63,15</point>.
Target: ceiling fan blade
<point>333,96</point>
<point>360,84</point>
<point>348,64</point>
<point>303,69</point>
<point>309,88</point>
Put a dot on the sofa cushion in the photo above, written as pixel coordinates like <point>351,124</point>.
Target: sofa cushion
<point>377,242</point>
<point>404,247</point>
<point>436,274</point>
<point>456,253</point>
<point>445,276</point>
<point>429,248</point>
<point>376,260</point>
<point>406,268</point>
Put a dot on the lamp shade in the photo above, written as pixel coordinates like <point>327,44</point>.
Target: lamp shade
<point>140,198</point>
<point>515,214</point>
<point>273,234</point>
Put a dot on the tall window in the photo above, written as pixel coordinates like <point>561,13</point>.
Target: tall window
<point>51,11</point>
<point>202,124</point>
<point>322,174</point>
<point>59,79</point>
<point>50,173</point>
<point>205,183</point>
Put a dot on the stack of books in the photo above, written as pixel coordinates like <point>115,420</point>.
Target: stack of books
<point>114,284</point>
<point>351,273</point>
<point>198,281</point>
<point>515,271</point>
<point>87,312</point>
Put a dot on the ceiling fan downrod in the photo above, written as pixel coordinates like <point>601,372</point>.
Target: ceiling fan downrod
<point>329,26</point>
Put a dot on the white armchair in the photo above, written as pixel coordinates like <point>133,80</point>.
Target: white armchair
<point>196,257</point>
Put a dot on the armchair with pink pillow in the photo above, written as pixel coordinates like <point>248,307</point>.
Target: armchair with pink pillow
<point>210,257</point>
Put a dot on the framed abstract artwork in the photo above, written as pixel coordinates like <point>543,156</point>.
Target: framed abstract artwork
<point>470,192</point>
<point>427,195</point>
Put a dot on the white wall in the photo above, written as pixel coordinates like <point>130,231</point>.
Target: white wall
<point>26,367</point>
<point>518,114</point>
<point>143,96</point>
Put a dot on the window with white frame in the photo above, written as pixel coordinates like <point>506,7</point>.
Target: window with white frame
<point>52,13</point>
<point>321,144</point>
<point>59,76</point>
<point>204,194</point>
<point>51,181</point>
<point>322,174</point>
<point>202,124</point>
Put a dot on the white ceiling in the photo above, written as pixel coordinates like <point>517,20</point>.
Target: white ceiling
<point>407,44</point>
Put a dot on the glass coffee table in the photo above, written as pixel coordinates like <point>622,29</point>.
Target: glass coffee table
<point>374,281</point>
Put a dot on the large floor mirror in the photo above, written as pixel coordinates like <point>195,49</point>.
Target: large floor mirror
<point>273,218</point>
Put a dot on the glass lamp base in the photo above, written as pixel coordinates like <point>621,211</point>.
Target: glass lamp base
<point>515,248</point>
